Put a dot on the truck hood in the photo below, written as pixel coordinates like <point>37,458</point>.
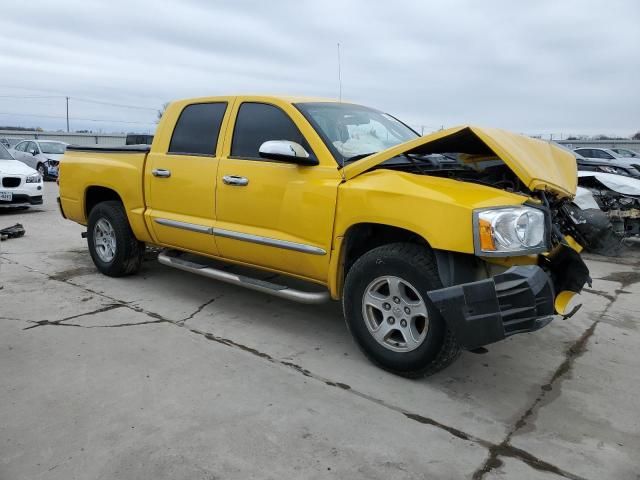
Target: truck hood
<point>539,165</point>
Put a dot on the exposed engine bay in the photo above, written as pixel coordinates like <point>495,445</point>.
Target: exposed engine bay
<point>469,159</point>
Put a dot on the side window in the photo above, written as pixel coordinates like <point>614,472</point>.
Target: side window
<point>31,147</point>
<point>197,129</point>
<point>257,123</point>
<point>606,155</point>
<point>21,146</point>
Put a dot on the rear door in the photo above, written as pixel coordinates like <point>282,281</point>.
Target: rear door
<point>271,213</point>
<point>31,155</point>
<point>180,177</point>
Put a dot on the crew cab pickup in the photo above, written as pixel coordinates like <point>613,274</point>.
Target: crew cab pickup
<point>433,244</point>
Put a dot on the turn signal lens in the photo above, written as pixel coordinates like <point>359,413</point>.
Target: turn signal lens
<point>486,235</point>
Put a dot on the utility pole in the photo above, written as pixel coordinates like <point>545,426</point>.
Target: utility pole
<point>339,75</point>
<point>67,114</point>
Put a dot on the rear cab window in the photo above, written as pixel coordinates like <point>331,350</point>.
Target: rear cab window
<point>257,123</point>
<point>197,129</point>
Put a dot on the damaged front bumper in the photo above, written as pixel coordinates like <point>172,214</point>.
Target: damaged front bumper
<point>521,299</point>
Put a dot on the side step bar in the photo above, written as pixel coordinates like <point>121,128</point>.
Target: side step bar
<point>171,258</point>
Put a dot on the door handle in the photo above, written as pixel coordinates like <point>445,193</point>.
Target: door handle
<point>161,172</point>
<point>235,180</point>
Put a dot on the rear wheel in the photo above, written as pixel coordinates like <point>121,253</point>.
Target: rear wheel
<point>114,249</point>
<point>389,314</point>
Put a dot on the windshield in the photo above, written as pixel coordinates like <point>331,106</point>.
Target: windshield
<point>352,131</point>
<point>52,147</point>
<point>4,153</point>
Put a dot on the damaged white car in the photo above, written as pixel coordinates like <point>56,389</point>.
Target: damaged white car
<point>20,185</point>
<point>616,195</point>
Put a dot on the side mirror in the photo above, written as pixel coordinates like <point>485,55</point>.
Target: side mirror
<point>33,152</point>
<point>286,151</point>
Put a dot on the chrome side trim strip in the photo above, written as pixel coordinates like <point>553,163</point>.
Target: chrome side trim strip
<point>246,237</point>
<point>192,227</point>
<point>272,242</point>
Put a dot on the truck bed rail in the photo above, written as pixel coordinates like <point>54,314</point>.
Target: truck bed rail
<point>108,148</point>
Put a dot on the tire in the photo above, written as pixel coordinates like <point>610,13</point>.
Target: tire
<point>41,171</point>
<point>125,252</point>
<point>413,270</point>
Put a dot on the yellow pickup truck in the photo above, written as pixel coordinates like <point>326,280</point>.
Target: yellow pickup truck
<point>434,244</point>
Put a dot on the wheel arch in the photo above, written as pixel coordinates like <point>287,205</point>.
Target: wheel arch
<point>96,194</point>
<point>357,240</point>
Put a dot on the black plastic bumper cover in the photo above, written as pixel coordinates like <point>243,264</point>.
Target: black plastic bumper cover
<point>479,313</point>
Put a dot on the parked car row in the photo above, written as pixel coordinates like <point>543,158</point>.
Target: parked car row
<point>620,161</point>
<point>20,185</point>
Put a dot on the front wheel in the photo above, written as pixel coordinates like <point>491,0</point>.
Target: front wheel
<point>389,314</point>
<point>114,249</point>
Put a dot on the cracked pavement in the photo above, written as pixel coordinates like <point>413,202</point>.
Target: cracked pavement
<point>169,375</point>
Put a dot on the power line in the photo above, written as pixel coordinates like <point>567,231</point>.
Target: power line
<point>86,100</point>
<point>76,118</point>
<point>112,104</point>
<point>31,96</point>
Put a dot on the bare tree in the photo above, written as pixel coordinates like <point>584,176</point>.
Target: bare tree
<point>161,111</point>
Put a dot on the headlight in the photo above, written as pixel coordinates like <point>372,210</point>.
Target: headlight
<point>509,231</point>
<point>35,178</point>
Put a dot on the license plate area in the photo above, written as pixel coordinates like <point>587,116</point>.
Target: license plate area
<point>6,196</point>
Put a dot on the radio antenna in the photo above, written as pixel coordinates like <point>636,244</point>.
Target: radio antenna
<point>339,75</point>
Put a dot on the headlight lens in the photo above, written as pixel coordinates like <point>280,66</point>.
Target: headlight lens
<point>509,231</point>
<point>35,178</point>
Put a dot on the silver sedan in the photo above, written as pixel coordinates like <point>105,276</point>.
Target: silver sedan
<point>41,155</point>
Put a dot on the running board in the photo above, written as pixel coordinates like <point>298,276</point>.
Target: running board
<point>171,258</point>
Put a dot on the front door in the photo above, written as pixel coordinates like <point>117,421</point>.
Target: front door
<point>180,178</point>
<point>270,213</point>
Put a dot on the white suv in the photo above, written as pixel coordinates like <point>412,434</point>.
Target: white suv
<point>20,185</point>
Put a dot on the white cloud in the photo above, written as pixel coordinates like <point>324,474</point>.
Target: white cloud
<point>532,67</point>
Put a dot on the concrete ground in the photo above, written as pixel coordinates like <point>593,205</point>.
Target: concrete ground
<point>169,375</point>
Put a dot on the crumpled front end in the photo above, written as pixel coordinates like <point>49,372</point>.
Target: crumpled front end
<point>523,298</point>
<point>483,312</point>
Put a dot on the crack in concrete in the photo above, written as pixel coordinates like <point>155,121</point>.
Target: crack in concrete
<point>503,449</point>
<point>41,323</point>
<point>8,260</point>
<point>600,293</point>
<point>12,319</point>
<point>199,309</point>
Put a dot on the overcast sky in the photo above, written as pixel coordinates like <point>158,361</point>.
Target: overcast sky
<point>533,67</point>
